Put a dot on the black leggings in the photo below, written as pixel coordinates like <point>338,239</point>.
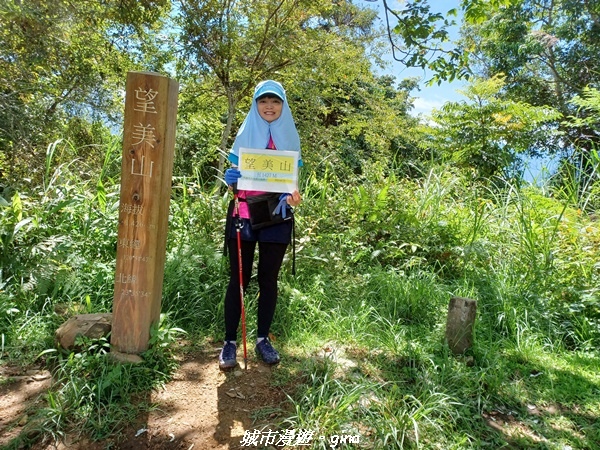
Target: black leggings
<point>270,257</point>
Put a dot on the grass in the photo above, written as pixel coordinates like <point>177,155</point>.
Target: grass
<point>419,397</point>
<point>362,323</point>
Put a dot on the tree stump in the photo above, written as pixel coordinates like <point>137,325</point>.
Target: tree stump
<point>460,324</point>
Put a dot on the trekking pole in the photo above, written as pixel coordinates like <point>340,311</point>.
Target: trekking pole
<point>238,228</point>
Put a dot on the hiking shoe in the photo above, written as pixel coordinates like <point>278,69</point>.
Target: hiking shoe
<point>227,357</point>
<point>267,353</point>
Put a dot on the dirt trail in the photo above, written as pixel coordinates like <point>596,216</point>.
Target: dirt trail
<point>200,408</point>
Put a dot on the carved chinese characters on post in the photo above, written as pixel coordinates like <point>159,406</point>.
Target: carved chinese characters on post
<point>148,143</point>
<point>144,100</point>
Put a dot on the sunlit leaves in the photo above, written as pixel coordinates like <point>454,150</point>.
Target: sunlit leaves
<point>62,67</point>
<point>488,134</point>
<point>477,11</point>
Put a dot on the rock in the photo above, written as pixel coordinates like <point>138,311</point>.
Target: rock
<point>93,326</point>
<point>41,376</point>
<point>128,358</point>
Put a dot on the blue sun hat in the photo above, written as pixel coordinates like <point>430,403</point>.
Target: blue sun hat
<point>255,131</point>
<point>269,87</point>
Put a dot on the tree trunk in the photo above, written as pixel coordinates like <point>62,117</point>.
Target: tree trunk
<point>232,103</point>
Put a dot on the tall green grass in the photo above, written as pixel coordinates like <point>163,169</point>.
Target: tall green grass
<point>374,282</point>
<point>377,260</point>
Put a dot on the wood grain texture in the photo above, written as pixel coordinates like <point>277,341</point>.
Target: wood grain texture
<point>146,174</point>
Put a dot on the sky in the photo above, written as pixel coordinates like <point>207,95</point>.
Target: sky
<point>428,97</point>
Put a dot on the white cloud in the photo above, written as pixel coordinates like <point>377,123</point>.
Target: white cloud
<point>425,106</point>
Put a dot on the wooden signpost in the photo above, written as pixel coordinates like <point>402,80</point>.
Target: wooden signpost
<point>146,172</point>
<point>460,323</point>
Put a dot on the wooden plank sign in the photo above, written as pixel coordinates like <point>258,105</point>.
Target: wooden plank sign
<point>146,172</point>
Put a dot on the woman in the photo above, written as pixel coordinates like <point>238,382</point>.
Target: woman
<point>269,124</point>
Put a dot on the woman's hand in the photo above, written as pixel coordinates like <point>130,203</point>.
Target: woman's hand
<point>232,175</point>
<point>294,199</point>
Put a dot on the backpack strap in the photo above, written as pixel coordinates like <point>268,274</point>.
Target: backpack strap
<point>293,245</point>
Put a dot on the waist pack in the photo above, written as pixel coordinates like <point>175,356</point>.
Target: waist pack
<point>262,211</point>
